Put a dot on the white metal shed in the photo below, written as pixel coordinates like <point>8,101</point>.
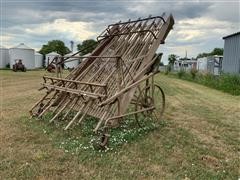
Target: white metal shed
<point>4,57</point>
<point>231,59</point>
<point>73,62</point>
<point>23,52</point>
<point>49,57</point>
<point>38,60</point>
<point>202,64</point>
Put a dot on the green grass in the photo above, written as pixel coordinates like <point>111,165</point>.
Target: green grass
<point>198,137</point>
<point>81,137</point>
<point>229,83</point>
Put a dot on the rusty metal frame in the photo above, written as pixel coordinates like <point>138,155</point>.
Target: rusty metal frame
<point>105,84</point>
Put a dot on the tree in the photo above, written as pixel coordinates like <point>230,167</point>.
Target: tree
<point>171,59</point>
<point>215,51</point>
<point>202,55</point>
<point>56,46</point>
<point>87,46</point>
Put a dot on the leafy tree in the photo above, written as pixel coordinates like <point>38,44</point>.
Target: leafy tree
<point>87,46</point>
<point>171,59</point>
<point>161,64</point>
<point>56,46</point>
<point>215,51</point>
<point>202,55</point>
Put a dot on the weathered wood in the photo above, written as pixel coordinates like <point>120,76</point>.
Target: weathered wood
<point>103,85</point>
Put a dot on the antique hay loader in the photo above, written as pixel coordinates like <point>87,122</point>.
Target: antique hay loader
<point>111,79</point>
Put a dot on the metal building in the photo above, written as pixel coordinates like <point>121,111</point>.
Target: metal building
<point>73,62</point>
<point>4,57</point>
<point>210,64</point>
<point>24,53</point>
<point>38,60</point>
<point>231,54</point>
<point>49,57</point>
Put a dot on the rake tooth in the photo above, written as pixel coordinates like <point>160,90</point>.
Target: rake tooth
<point>37,103</point>
<point>85,112</point>
<point>59,104</point>
<point>75,117</point>
<point>72,106</point>
<point>58,113</point>
<point>47,105</point>
<point>100,121</point>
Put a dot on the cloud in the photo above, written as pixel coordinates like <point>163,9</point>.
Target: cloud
<point>200,25</point>
<point>74,30</point>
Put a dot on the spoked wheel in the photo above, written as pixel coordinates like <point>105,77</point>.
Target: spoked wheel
<point>150,97</point>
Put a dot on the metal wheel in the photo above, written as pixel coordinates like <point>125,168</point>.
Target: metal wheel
<point>102,140</point>
<point>150,96</point>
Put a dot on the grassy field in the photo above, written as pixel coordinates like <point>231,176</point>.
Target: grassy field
<point>198,138</point>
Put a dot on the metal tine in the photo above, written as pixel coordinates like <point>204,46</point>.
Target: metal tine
<point>47,105</point>
<point>78,113</point>
<point>58,113</point>
<point>124,42</point>
<point>71,107</point>
<point>40,101</point>
<point>137,36</point>
<point>76,116</point>
<point>60,103</point>
<point>100,121</point>
<point>85,111</point>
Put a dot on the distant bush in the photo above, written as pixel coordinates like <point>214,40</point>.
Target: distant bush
<point>181,73</point>
<point>168,69</point>
<point>193,73</point>
<point>8,65</point>
<point>229,83</point>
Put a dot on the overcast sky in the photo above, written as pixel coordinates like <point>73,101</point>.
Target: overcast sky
<point>199,25</point>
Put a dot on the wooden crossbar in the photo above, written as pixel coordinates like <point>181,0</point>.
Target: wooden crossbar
<point>73,81</point>
<point>74,91</point>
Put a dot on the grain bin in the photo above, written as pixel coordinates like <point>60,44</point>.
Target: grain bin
<point>49,57</point>
<point>38,60</point>
<point>24,53</point>
<point>4,57</point>
<point>73,62</point>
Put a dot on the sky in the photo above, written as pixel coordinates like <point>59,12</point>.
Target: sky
<point>199,24</point>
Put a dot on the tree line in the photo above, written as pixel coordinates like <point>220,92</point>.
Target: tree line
<point>58,46</point>
<point>87,46</point>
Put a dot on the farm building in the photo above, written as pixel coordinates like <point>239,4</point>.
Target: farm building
<point>23,52</point>
<point>185,65</point>
<point>73,62</point>
<point>86,55</point>
<point>38,60</point>
<point>49,57</point>
<point>4,57</point>
<point>210,64</point>
<point>231,54</point>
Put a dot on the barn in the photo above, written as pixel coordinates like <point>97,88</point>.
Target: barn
<point>231,54</point>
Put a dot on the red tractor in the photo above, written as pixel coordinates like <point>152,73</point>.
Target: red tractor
<point>19,66</point>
